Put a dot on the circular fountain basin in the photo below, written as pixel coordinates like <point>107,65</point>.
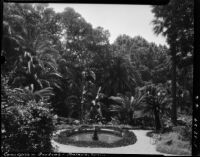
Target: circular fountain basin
<point>103,137</point>
<point>106,137</point>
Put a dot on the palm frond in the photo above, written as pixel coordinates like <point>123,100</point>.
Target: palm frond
<point>44,92</point>
<point>116,99</point>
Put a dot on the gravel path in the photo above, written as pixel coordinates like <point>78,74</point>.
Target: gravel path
<point>142,146</point>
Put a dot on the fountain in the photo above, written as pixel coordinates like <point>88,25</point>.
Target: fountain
<point>96,135</point>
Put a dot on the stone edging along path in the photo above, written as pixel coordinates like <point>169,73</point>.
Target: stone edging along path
<point>142,146</point>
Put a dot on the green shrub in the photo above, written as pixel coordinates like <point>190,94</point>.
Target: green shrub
<point>28,125</point>
<point>184,131</point>
<point>172,150</point>
<point>187,133</point>
<point>172,143</point>
<point>28,128</point>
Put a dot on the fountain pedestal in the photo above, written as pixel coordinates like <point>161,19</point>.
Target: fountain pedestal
<point>95,136</point>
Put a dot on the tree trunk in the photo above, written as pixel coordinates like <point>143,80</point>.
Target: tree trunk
<point>130,117</point>
<point>82,105</point>
<point>157,119</point>
<point>174,108</point>
<point>81,117</point>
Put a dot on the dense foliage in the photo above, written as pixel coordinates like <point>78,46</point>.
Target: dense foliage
<point>58,64</point>
<point>176,22</point>
<point>26,123</point>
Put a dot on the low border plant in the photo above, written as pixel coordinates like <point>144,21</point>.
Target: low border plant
<point>173,143</point>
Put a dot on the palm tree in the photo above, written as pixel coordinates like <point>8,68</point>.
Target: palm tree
<point>12,22</point>
<point>33,70</point>
<point>176,22</point>
<point>120,108</point>
<point>67,99</point>
<point>156,102</point>
<point>126,106</point>
<point>29,93</point>
<point>37,60</point>
<point>24,26</point>
<point>88,93</point>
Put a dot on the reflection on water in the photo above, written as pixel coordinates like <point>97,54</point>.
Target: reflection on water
<point>107,138</point>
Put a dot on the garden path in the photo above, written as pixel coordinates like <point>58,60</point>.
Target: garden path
<point>142,146</point>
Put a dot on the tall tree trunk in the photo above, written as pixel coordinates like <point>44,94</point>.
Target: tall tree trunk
<point>157,119</point>
<point>174,108</point>
<point>81,117</point>
<point>130,117</point>
<point>82,105</point>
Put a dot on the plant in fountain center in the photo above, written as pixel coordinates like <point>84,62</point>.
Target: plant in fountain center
<point>90,106</point>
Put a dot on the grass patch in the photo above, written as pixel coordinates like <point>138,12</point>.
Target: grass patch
<point>127,139</point>
<point>172,143</point>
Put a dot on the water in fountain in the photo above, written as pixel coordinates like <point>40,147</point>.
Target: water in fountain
<point>102,136</point>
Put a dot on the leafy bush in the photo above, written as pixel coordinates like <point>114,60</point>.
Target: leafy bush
<point>27,125</point>
<point>184,131</point>
<point>28,128</point>
<point>172,143</point>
